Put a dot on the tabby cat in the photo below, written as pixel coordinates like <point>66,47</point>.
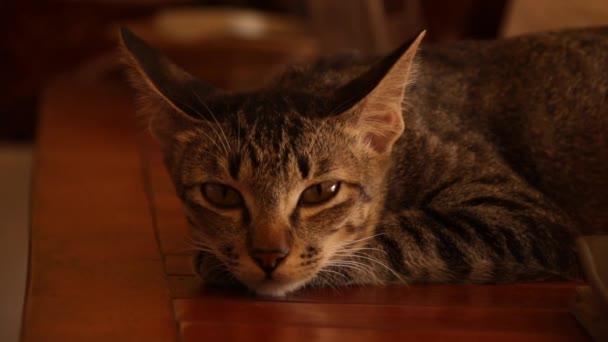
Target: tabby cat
<point>469,162</point>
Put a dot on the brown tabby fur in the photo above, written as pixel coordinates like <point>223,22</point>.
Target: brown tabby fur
<point>473,162</point>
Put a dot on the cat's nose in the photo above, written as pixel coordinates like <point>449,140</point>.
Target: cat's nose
<point>269,260</point>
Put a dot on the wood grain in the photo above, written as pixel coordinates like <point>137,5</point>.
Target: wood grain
<point>379,316</point>
<point>202,331</point>
<point>95,270</point>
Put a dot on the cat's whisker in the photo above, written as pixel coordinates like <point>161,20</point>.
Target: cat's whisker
<point>355,250</point>
<point>218,267</point>
<point>213,155</point>
<point>362,239</point>
<point>367,269</point>
<point>371,259</point>
<point>350,259</point>
<point>196,249</point>
<point>349,262</point>
<point>238,130</point>
<point>191,238</point>
<point>324,270</point>
<point>227,143</point>
<point>348,249</point>
<point>199,245</point>
<point>191,248</point>
<point>380,263</point>
<point>214,141</point>
<point>330,272</point>
<point>202,247</point>
<point>339,107</point>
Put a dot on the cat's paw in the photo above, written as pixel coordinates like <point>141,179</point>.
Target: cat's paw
<point>213,272</point>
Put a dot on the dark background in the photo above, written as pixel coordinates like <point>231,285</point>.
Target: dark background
<point>40,40</point>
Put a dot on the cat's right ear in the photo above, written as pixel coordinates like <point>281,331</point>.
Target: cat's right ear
<point>375,98</point>
<point>173,93</point>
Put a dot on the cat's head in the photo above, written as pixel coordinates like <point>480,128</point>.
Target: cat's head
<point>284,181</point>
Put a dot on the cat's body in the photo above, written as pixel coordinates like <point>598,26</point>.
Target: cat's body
<point>540,101</point>
<point>495,162</point>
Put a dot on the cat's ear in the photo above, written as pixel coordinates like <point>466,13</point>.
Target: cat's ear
<point>163,84</point>
<point>376,97</point>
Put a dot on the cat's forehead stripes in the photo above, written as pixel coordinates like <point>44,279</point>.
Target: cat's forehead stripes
<point>234,165</point>
<point>303,165</point>
<point>272,139</point>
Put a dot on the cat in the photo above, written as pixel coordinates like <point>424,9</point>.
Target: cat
<point>476,162</point>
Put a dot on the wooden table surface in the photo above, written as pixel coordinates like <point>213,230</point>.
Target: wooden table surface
<point>110,259</point>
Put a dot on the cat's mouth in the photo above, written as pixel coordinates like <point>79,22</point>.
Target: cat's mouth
<point>283,280</point>
<point>276,288</point>
<point>276,284</point>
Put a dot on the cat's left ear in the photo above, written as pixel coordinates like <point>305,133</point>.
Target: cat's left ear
<point>170,96</point>
<point>155,73</point>
<point>376,113</point>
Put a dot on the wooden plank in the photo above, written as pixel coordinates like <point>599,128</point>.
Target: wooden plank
<point>534,296</point>
<point>205,331</point>
<point>171,225</point>
<point>379,316</point>
<point>184,286</point>
<point>95,269</point>
<point>179,265</point>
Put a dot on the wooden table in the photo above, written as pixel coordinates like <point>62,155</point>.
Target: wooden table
<point>110,261</point>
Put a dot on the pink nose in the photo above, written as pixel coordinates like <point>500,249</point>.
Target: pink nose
<point>269,260</point>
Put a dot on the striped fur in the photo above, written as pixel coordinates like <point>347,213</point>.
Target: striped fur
<point>494,162</point>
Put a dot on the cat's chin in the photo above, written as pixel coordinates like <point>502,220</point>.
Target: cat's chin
<point>274,288</point>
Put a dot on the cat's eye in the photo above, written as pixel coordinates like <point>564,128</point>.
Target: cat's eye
<point>319,193</point>
<point>221,195</point>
